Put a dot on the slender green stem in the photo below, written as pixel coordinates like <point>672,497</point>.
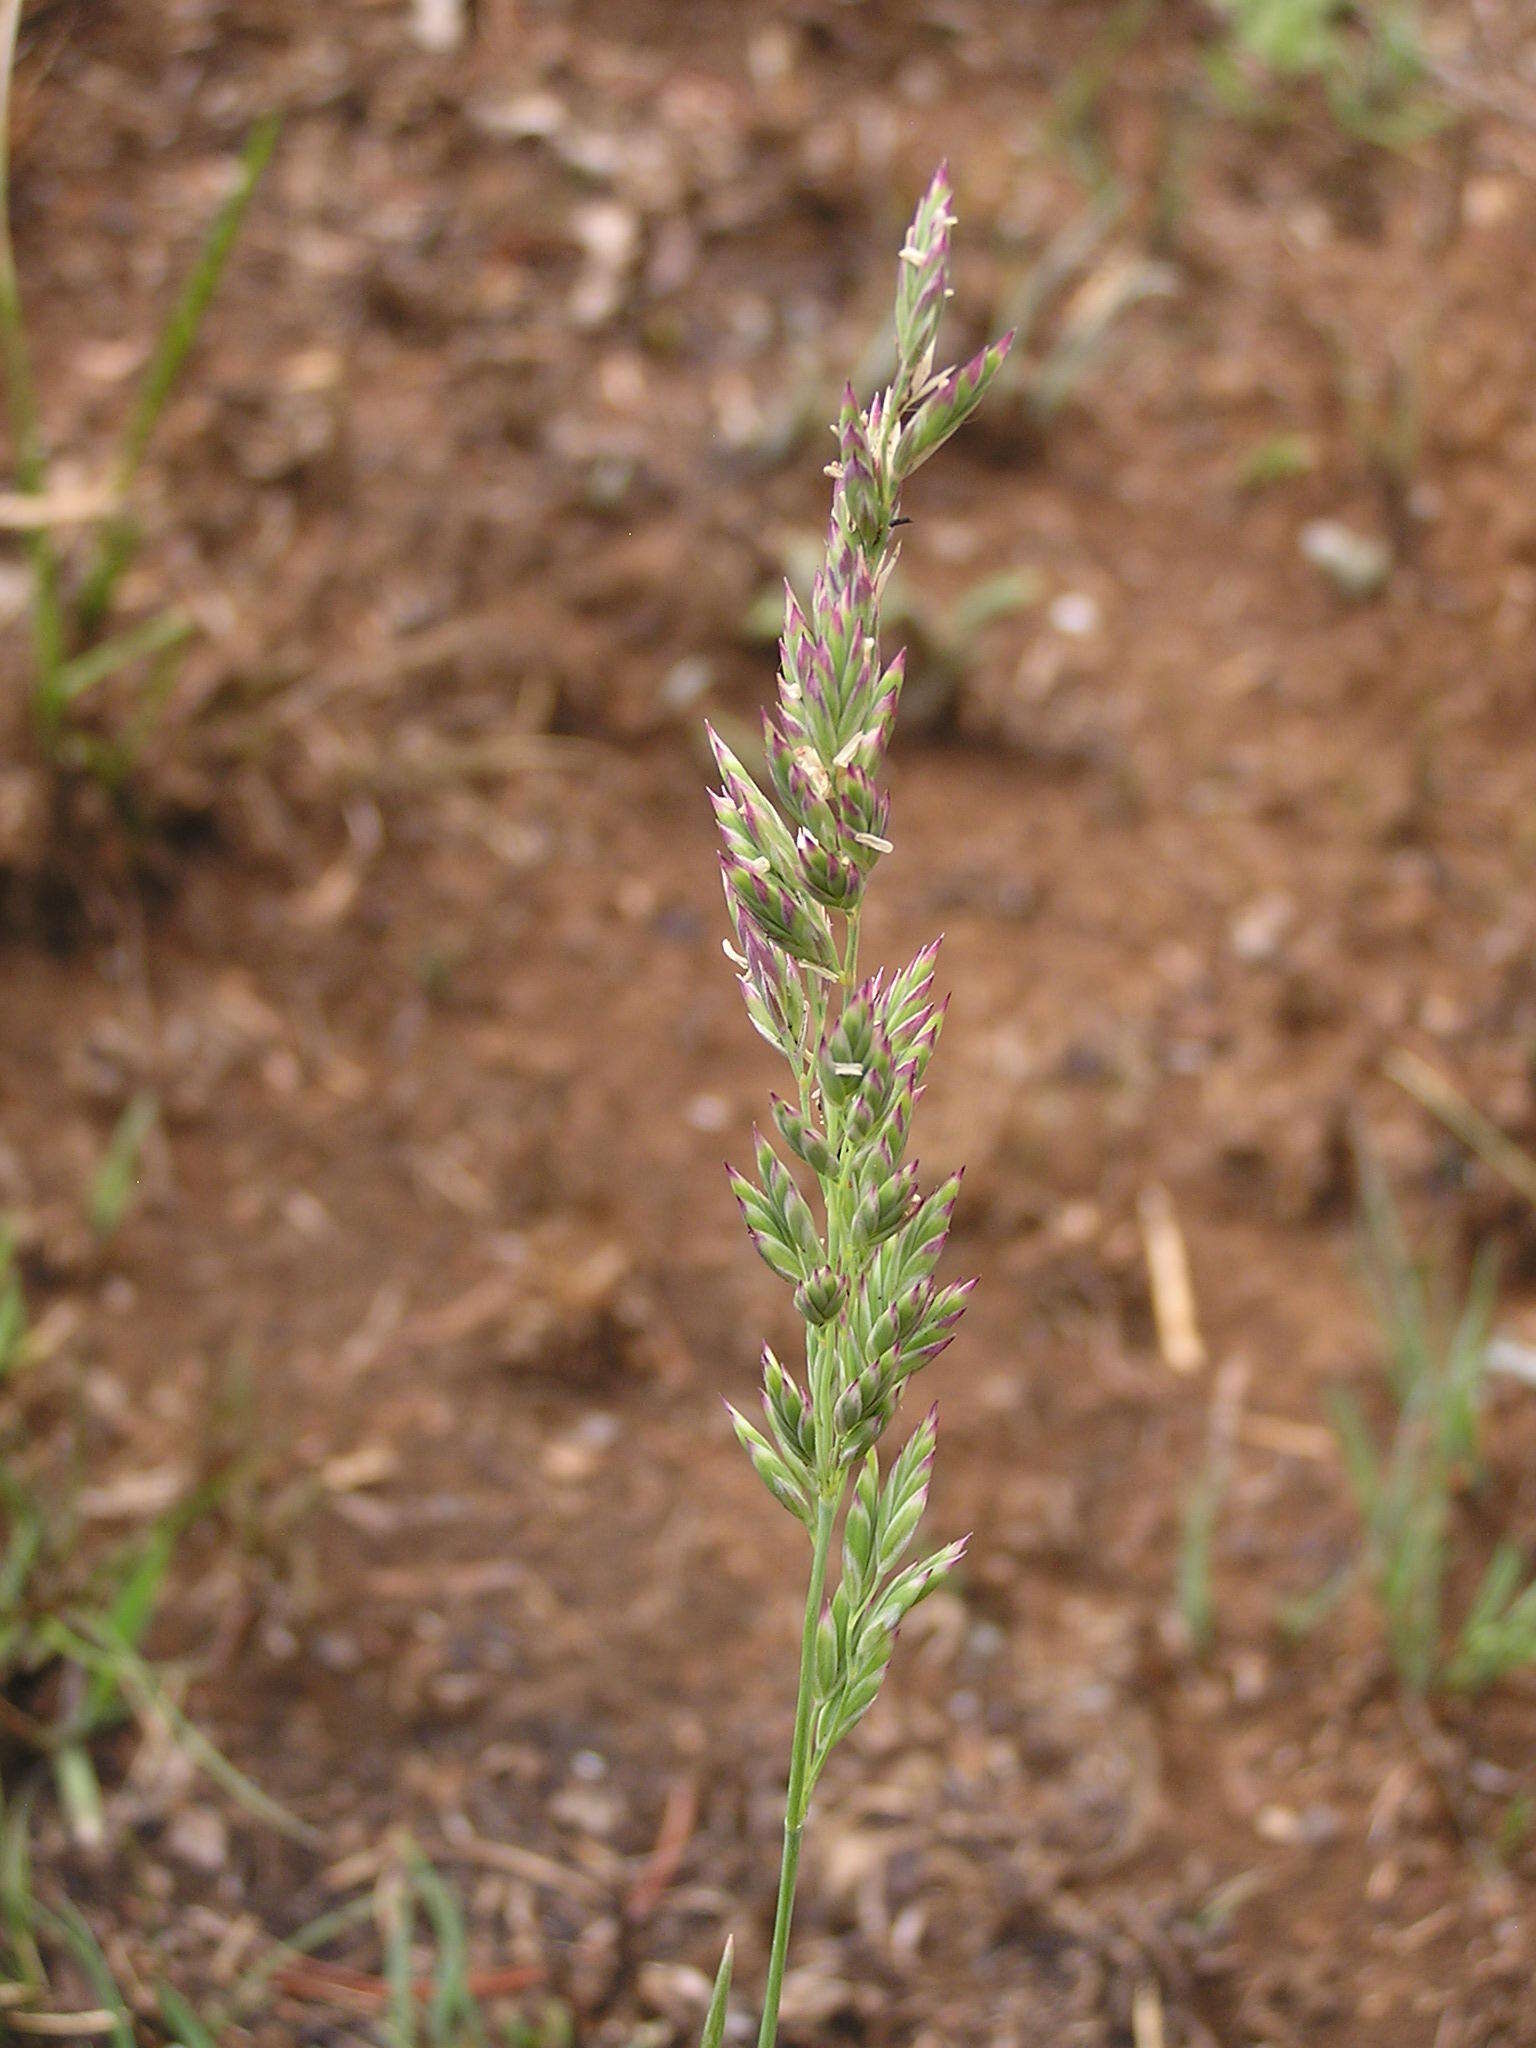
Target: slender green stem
<point>797,1797</point>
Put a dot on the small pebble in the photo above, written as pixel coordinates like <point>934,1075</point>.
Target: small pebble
<point>199,1838</point>
<point>686,682</point>
<point>1075,613</point>
<point>707,1112</point>
<point>1258,932</point>
<point>337,1651</point>
<point>1309,1829</point>
<point>438,25</point>
<point>1357,564</point>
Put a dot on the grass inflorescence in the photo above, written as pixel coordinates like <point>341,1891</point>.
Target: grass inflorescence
<point>860,1250</point>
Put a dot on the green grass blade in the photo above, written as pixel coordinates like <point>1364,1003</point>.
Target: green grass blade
<point>117,1176</point>
<point>79,1794</point>
<point>1467,1364</point>
<point>714,2019</point>
<point>1002,596</point>
<point>13,1306</point>
<point>181,329</point>
<point>395,1905</point>
<point>1361,1465</point>
<point>127,1619</point>
<point>154,636</point>
<point>24,1546</point>
<point>17,1907</point>
<point>1498,1587</point>
<point>1197,1530</point>
<point>186,2028</point>
<point>68,1926</point>
<point>454,2015</point>
<point>172,348</point>
<point>1298,1617</point>
<point>84,1641</point>
<point>250,1988</point>
<point>1499,1634</point>
<point>133,1609</point>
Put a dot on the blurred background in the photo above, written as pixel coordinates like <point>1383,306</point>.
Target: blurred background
<point>389,498</point>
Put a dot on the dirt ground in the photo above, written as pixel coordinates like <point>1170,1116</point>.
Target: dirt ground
<point>503,421</point>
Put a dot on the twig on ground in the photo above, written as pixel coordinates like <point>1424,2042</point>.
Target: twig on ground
<point>1430,1088</point>
<point>1173,1292</point>
<point>679,1816</point>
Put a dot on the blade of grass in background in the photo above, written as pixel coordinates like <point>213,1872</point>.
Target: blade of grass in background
<point>68,1927</point>
<point>17,1911</point>
<point>120,536</point>
<point>87,1644</point>
<point>157,635</point>
<point>454,2016</point>
<point>395,1905</point>
<point>69,657</point>
<point>13,1306</point>
<point>1406,1483</point>
<point>118,1174</point>
<point>187,2029</point>
<point>1499,1635</point>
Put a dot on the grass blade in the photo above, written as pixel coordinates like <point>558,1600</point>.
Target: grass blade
<point>79,1794</point>
<point>714,2019</point>
<point>154,636</point>
<point>395,1906</point>
<point>1197,1529</point>
<point>187,2029</point>
<point>1307,1611</point>
<point>28,1533</point>
<point>17,1908</point>
<point>128,1617</point>
<point>1435,1093</point>
<point>250,1988</point>
<point>172,348</point>
<point>118,1174</point>
<point>85,1641</point>
<point>454,2016</point>
<point>1359,1454</point>
<point>68,1926</point>
<point>13,1307</point>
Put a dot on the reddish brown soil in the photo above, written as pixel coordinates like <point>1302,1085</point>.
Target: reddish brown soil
<point>422,963</point>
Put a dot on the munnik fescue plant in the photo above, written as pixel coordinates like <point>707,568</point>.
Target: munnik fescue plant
<point>861,1255</point>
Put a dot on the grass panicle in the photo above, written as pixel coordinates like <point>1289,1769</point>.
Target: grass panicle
<point>834,1208</point>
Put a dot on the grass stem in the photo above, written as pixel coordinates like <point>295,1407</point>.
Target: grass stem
<point>798,1796</point>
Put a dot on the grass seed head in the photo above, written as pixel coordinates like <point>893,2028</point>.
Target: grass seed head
<point>796,861</point>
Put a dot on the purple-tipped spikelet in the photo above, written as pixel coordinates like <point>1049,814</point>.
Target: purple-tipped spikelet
<point>796,859</point>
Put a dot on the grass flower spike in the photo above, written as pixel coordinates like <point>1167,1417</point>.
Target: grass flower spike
<point>861,1255</point>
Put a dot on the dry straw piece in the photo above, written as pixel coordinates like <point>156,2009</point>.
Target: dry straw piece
<point>795,865</point>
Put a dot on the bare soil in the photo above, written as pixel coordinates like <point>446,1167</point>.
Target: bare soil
<point>493,439</point>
